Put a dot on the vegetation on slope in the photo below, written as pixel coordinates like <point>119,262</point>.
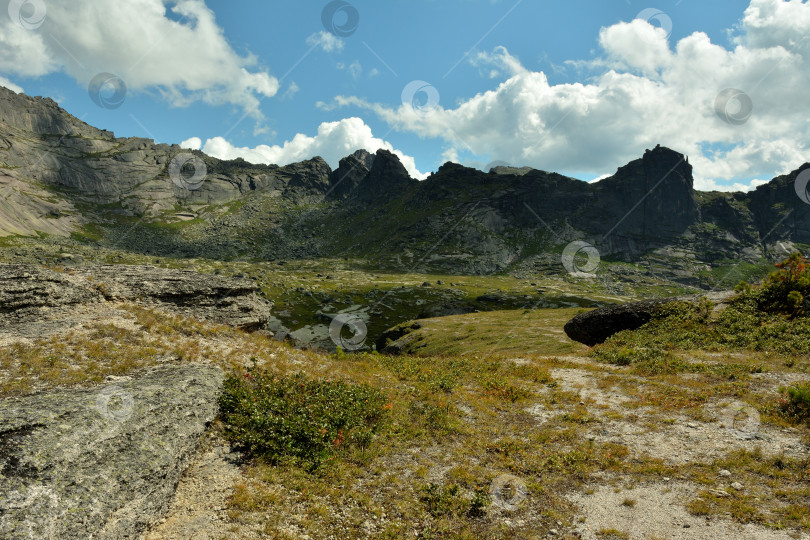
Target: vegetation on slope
<point>485,433</point>
<point>515,332</point>
<point>763,325</point>
<point>766,319</point>
<point>277,417</point>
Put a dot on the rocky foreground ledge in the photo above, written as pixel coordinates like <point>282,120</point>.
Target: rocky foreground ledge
<point>101,463</point>
<point>36,301</point>
<point>105,462</point>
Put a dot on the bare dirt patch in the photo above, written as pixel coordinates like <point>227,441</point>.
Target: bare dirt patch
<point>657,511</point>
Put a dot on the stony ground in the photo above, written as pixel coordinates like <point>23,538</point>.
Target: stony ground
<point>199,509</point>
<point>609,504</point>
<point>563,446</point>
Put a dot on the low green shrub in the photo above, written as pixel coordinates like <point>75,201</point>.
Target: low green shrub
<point>796,403</point>
<point>291,417</point>
<point>443,500</point>
<point>502,388</point>
<point>436,416</point>
<point>645,360</point>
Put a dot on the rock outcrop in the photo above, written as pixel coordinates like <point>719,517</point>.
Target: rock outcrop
<point>393,340</point>
<point>776,211</point>
<point>39,300</point>
<point>387,179</point>
<point>596,326</point>
<point>307,178</point>
<point>26,292</point>
<point>232,301</point>
<point>26,208</point>
<point>350,173</point>
<point>648,202</point>
<point>101,463</point>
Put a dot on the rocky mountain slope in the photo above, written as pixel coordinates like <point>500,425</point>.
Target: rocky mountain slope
<point>513,217</point>
<point>61,176</point>
<point>45,147</point>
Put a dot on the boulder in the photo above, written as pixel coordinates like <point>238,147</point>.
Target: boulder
<point>596,326</point>
<point>101,463</point>
<point>393,340</point>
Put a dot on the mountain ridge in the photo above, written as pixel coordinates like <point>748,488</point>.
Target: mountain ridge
<point>67,175</point>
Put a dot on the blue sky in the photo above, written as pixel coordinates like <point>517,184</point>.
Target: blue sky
<point>463,48</point>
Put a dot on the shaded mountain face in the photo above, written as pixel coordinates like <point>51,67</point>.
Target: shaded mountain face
<point>351,171</point>
<point>649,201</point>
<point>776,212</point>
<point>58,174</point>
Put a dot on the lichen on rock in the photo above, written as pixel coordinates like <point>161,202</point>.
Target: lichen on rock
<point>101,463</point>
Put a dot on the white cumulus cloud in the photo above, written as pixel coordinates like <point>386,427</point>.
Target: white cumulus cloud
<point>193,143</point>
<point>183,55</point>
<point>325,41</point>
<point>334,140</point>
<point>498,60</point>
<point>10,85</point>
<point>636,45</point>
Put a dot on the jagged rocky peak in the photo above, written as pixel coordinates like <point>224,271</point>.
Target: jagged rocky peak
<point>350,172</point>
<point>653,195</point>
<point>387,168</point>
<point>450,167</point>
<point>366,158</point>
<point>312,174</point>
<point>667,164</point>
<point>43,116</point>
<point>387,177</point>
<point>782,206</point>
<point>452,177</point>
<point>656,167</point>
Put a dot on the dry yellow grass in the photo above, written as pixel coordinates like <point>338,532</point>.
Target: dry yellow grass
<point>460,420</point>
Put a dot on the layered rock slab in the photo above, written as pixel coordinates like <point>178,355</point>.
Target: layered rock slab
<point>231,301</point>
<point>101,463</point>
<point>36,301</point>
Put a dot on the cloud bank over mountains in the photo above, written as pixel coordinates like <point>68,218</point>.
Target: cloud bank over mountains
<point>738,112</point>
<point>642,91</point>
<point>334,140</point>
